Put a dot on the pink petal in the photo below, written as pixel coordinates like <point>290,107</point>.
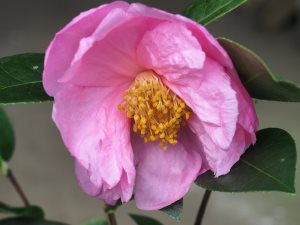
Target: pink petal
<point>110,196</point>
<point>171,51</point>
<point>209,44</point>
<point>108,56</point>
<point>83,177</point>
<point>212,99</point>
<point>62,49</point>
<point>165,176</point>
<point>220,160</point>
<point>89,120</point>
<point>247,115</point>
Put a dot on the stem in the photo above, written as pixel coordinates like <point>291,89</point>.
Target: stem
<point>17,187</point>
<point>110,214</point>
<point>202,207</point>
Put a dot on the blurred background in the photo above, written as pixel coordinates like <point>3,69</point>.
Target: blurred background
<point>44,167</point>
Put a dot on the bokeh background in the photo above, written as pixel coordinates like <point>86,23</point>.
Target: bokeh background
<point>44,167</point>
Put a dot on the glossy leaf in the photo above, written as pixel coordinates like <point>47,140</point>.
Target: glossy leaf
<point>143,220</point>
<point>29,212</point>
<point>7,138</point>
<point>174,210</point>
<point>27,221</point>
<point>269,165</point>
<point>96,222</point>
<point>21,79</point>
<point>207,11</point>
<point>256,76</point>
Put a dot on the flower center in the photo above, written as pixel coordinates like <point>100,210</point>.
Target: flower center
<point>156,111</point>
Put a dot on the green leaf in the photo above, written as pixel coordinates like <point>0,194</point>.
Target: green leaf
<point>28,221</point>
<point>29,212</point>
<point>21,79</point>
<point>174,210</point>
<point>207,11</point>
<point>143,220</point>
<point>259,80</point>
<point>7,138</point>
<point>96,222</point>
<point>269,165</point>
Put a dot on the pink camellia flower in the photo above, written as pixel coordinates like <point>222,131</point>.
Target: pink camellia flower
<point>145,101</point>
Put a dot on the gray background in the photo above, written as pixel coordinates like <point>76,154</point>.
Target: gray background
<point>44,167</point>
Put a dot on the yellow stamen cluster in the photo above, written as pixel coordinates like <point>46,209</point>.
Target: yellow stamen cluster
<point>156,111</point>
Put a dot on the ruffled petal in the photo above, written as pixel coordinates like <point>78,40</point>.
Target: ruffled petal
<point>165,176</point>
<point>220,160</point>
<point>171,51</point>
<point>247,116</point>
<point>83,177</point>
<point>212,99</point>
<point>62,49</point>
<point>89,120</point>
<point>209,44</point>
<point>110,196</point>
<point>108,56</point>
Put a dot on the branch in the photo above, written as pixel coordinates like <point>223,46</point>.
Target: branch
<point>202,207</point>
<point>17,187</point>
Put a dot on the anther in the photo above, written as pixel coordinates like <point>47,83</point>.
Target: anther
<point>157,112</point>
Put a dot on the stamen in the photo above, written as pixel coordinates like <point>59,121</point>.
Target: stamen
<point>157,112</point>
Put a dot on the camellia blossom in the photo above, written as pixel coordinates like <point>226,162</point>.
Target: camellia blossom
<point>146,101</point>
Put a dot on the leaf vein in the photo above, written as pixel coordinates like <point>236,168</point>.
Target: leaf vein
<point>266,174</point>
<point>18,85</point>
